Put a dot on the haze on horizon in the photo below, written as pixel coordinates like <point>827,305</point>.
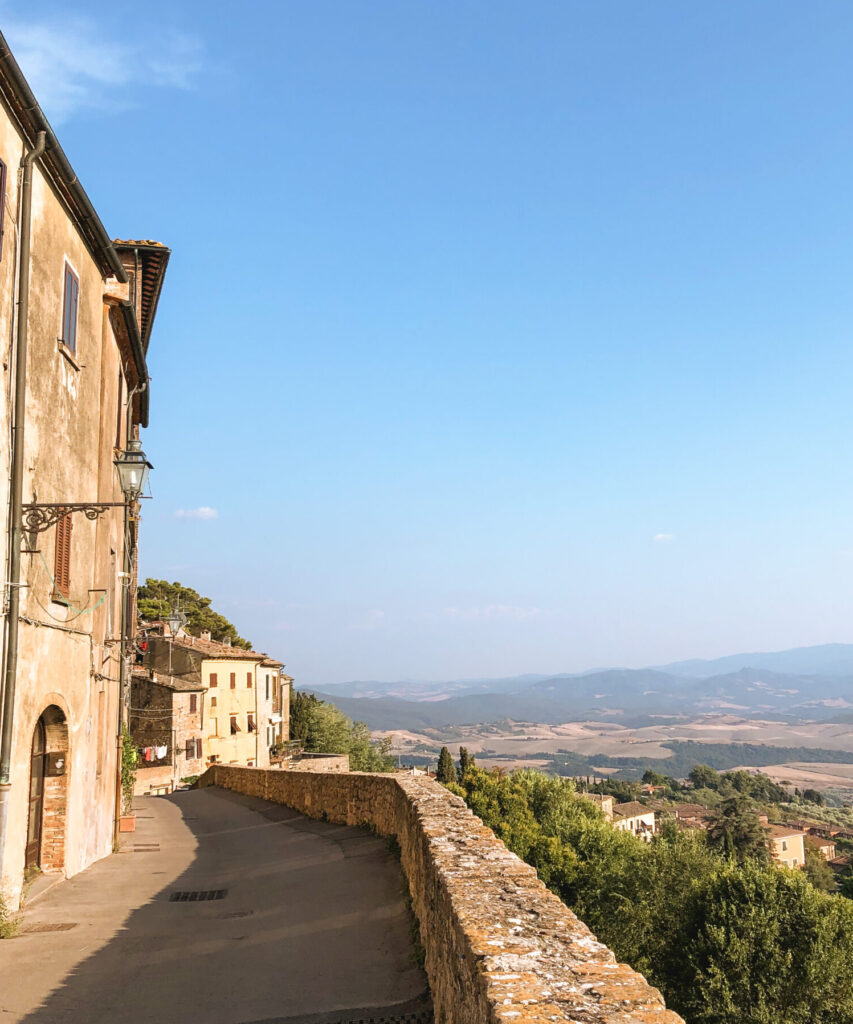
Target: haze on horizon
<point>498,338</point>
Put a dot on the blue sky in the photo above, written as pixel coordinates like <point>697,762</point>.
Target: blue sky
<point>498,336</point>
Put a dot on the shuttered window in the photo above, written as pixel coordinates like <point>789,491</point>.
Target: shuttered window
<point>249,680</point>
<point>235,728</point>
<point>190,749</point>
<point>233,680</point>
<point>2,205</point>
<point>70,301</point>
<point>193,703</point>
<point>213,680</point>
<point>62,557</point>
<point>268,686</point>
<point>251,721</point>
<point>198,748</point>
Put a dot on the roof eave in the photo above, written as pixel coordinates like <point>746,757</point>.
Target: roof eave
<point>31,119</point>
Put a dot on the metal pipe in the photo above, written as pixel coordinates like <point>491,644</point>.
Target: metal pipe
<point>10,668</point>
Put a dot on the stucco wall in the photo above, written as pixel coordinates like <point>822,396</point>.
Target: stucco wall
<point>68,657</point>
<point>499,946</point>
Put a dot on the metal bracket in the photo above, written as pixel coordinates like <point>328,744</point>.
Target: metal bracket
<point>40,516</point>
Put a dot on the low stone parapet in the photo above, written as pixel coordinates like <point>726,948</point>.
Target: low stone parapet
<point>500,947</point>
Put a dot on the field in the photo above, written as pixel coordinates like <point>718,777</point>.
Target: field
<point>526,744</point>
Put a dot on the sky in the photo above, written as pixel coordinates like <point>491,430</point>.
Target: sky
<point>498,337</point>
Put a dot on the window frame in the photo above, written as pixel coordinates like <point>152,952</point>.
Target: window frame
<point>70,343</point>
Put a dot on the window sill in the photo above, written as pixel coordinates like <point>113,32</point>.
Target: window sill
<point>69,355</point>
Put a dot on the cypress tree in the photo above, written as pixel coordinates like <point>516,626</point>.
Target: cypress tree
<point>446,768</point>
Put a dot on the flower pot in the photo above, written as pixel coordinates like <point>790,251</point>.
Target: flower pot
<point>127,823</point>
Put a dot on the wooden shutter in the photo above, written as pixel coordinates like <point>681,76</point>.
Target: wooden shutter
<point>213,680</point>
<point>190,749</point>
<point>250,719</point>
<point>2,205</point>
<point>70,300</point>
<point>249,680</point>
<point>62,556</point>
<point>198,748</point>
<point>233,680</point>
<point>193,703</point>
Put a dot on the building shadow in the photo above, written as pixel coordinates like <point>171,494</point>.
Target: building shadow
<point>273,918</point>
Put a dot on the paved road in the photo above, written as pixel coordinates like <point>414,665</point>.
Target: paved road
<point>312,927</point>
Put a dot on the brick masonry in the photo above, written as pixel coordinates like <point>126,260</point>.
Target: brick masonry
<point>500,947</point>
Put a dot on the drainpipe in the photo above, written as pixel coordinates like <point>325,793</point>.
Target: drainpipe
<point>10,669</point>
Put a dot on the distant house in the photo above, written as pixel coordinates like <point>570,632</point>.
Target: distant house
<point>604,803</point>
<point>825,847</point>
<point>787,845</point>
<point>636,818</point>
<point>692,815</point>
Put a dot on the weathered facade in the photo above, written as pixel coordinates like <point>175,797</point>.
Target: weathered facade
<point>84,393</point>
<point>165,721</point>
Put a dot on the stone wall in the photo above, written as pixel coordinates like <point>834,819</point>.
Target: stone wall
<point>318,763</point>
<point>499,946</point>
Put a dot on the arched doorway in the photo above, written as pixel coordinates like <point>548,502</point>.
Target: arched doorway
<point>36,818</point>
<point>48,793</point>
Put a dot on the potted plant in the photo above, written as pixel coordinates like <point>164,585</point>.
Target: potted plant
<point>129,756</point>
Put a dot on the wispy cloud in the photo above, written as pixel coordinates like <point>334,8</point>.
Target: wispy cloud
<point>373,620</point>
<point>73,63</point>
<point>663,538</point>
<point>203,512</point>
<point>494,612</point>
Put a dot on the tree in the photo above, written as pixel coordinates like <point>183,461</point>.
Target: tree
<point>813,796</point>
<point>818,871</point>
<point>653,778</point>
<point>703,777</point>
<point>321,727</point>
<point>157,598</point>
<point>736,833</point>
<point>446,768</point>
<point>466,761</point>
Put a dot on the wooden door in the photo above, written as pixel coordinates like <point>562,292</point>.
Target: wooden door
<point>34,825</point>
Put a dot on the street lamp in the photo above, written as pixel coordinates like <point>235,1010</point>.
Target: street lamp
<point>133,468</point>
<point>176,620</point>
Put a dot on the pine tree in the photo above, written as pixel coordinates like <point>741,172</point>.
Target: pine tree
<point>446,768</point>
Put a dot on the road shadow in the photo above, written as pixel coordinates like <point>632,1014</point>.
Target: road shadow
<point>274,918</point>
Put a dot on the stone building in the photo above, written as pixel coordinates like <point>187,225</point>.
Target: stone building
<point>165,721</point>
<point>76,312</point>
<point>243,705</point>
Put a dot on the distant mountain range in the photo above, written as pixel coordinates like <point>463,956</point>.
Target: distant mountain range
<point>802,684</point>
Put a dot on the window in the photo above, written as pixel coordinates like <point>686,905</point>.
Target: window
<point>119,410</point>
<point>235,728</point>
<point>274,687</point>
<point>70,299</point>
<point>213,702</point>
<point>250,764</point>
<point>233,680</point>
<point>198,748</point>
<point>193,703</point>
<point>249,680</point>
<point>784,844</point>
<point>250,721</point>
<point>213,680</point>
<point>2,205</point>
<point>62,558</point>
<point>190,749</point>
<point>268,686</point>
<point>794,861</point>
